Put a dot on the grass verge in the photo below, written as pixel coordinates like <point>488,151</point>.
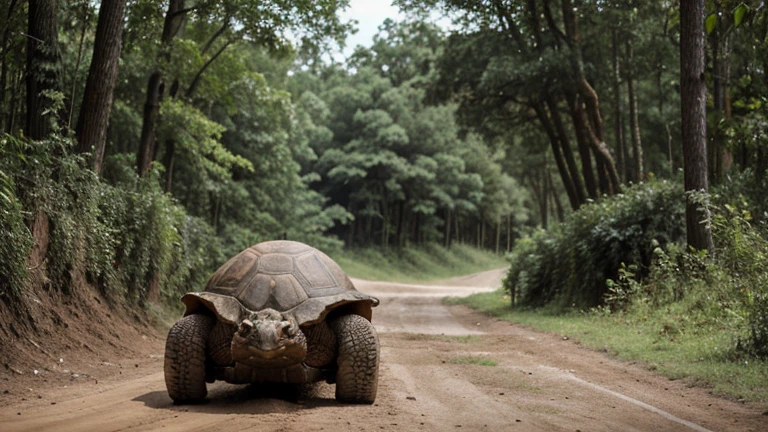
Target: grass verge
<point>473,360</point>
<point>417,264</point>
<point>702,357</point>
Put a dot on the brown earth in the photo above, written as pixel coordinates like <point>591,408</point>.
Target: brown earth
<point>429,380</point>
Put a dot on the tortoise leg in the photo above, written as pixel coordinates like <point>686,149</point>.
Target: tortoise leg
<point>185,359</point>
<point>220,343</point>
<point>357,378</point>
<point>321,345</point>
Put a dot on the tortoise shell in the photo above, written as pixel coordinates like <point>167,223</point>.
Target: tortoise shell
<point>287,276</point>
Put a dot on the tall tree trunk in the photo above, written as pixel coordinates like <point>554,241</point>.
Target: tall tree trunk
<point>73,92</point>
<point>555,198</point>
<point>509,232</point>
<point>593,121</point>
<point>447,236</point>
<point>565,144</point>
<point>562,168</point>
<point>693,94</point>
<point>456,225</point>
<point>634,123</point>
<point>148,145</point>
<point>14,116</point>
<point>584,151</point>
<point>42,66</point>
<point>618,129</point>
<point>715,149</point>
<point>4,47</point>
<point>174,19</point>
<point>544,203</point>
<point>99,87</point>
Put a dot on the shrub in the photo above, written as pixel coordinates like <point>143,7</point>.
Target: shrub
<point>569,264</point>
<point>124,237</point>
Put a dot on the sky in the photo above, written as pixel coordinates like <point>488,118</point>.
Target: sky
<point>370,14</point>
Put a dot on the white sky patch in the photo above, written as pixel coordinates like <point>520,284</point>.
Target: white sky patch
<point>369,14</point>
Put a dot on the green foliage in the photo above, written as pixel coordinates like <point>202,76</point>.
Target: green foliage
<point>695,293</point>
<point>198,138</point>
<point>665,338</point>
<point>569,264</point>
<point>125,238</point>
<point>417,263</point>
<point>15,238</point>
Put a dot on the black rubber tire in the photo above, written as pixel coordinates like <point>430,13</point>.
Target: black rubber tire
<point>185,359</point>
<point>357,378</point>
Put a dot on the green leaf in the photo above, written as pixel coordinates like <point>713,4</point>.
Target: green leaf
<point>711,23</point>
<point>738,14</point>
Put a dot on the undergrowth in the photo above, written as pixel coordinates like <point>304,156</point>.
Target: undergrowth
<point>568,264</point>
<point>698,315</point>
<point>125,236</point>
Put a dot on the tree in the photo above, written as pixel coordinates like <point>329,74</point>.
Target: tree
<point>99,88</point>
<point>42,68</point>
<point>263,24</point>
<point>693,92</point>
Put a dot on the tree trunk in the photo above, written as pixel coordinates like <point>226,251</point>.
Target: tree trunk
<point>555,198</point>
<point>447,236</point>
<point>634,123</point>
<point>456,224</point>
<point>565,144</point>
<point>4,47</point>
<point>14,117</point>
<point>509,232</point>
<point>584,153</point>
<point>148,144</point>
<point>168,160</point>
<point>42,66</point>
<point>715,150</point>
<point>565,176</point>
<point>693,95</point>
<point>99,87</point>
<point>593,121</point>
<point>618,130</point>
<point>174,19</point>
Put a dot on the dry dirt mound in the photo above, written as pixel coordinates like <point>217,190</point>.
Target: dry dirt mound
<point>58,339</point>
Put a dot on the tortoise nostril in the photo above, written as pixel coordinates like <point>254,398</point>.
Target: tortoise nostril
<point>287,329</point>
<point>245,327</point>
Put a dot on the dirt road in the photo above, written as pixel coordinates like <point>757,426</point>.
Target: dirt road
<point>433,378</point>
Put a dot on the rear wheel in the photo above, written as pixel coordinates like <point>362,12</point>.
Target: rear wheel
<point>357,378</point>
<point>185,359</point>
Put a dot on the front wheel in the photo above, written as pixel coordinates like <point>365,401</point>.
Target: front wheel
<point>357,378</point>
<point>185,359</point>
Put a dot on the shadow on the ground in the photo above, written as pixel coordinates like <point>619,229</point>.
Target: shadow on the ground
<point>265,398</point>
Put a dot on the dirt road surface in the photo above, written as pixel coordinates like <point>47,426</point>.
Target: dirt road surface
<point>430,380</point>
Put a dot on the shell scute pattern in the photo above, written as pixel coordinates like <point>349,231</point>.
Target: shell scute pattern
<point>279,276</point>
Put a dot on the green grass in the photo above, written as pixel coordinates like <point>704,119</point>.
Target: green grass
<point>698,353</point>
<point>473,360</point>
<point>416,264</point>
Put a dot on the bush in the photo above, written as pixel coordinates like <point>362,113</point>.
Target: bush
<point>569,264</point>
<point>15,239</point>
<point>126,238</point>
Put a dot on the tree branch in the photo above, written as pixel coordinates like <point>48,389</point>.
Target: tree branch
<point>196,80</point>
<point>216,35</point>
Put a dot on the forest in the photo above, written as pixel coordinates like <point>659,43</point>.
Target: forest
<point>617,150</point>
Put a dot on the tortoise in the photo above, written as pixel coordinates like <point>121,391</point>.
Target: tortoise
<point>279,311</point>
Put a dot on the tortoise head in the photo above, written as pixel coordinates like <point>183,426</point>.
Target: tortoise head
<point>269,339</point>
